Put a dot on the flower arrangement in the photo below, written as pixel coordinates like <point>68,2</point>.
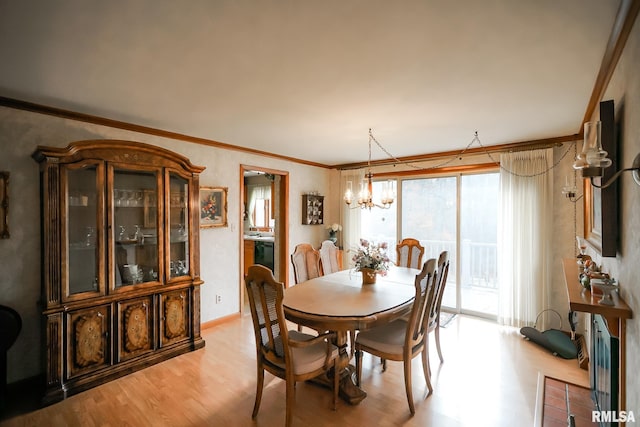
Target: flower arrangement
<point>333,231</point>
<point>372,255</point>
<point>334,227</point>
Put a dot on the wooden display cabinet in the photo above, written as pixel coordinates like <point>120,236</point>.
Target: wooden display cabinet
<point>312,209</point>
<point>120,262</point>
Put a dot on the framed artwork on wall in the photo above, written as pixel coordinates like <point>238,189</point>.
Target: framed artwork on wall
<point>601,205</point>
<point>213,207</point>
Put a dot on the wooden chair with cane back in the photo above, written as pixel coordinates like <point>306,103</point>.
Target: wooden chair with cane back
<point>402,340</point>
<point>409,253</point>
<point>330,257</point>
<point>287,354</point>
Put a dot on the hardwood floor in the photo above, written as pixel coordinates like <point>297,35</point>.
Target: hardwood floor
<point>489,378</point>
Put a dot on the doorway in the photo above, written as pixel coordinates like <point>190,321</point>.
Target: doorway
<point>264,215</point>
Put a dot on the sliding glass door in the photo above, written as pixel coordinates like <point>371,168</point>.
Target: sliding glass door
<point>478,268</point>
<point>458,214</point>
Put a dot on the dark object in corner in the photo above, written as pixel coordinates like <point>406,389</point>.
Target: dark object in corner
<point>556,341</point>
<point>10,326</point>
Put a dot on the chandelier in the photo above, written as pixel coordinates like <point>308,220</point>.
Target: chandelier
<point>365,195</point>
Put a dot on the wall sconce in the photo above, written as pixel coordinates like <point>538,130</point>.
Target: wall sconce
<point>593,159</point>
<point>570,191</point>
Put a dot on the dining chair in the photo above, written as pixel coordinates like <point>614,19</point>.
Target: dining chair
<point>287,354</point>
<point>330,259</point>
<point>433,322</point>
<point>306,263</point>
<point>409,253</point>
<point>331,262</point>
<point>402,340</point>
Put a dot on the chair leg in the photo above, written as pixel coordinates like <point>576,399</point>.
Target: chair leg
<point>407,384</point>
<point>259,386</point>
<point>426,368</point>
<point>290,399</point>
<point>358,366</point>
<point>384,364</point>
<point>437,331</point>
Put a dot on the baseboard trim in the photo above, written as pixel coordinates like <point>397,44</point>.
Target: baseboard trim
<point>219,321</point>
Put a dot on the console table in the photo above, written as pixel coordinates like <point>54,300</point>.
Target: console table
<point>581,300</point>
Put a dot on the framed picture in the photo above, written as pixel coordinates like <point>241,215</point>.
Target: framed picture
<point>601,205</point>
<point>213,207</point>
<point>4,205</point>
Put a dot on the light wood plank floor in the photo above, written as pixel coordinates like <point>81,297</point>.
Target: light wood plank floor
<point>489,378</point>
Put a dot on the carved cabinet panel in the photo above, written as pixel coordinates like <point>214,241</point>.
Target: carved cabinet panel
<point>136,334</point>
<point>89,337</point>
<point>174,325</point>
<point>120,261</point>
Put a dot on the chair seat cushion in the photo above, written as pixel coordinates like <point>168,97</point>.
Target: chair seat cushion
<point>307,359</point>
<point>388,338</point>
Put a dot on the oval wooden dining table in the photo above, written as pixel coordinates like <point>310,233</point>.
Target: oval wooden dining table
<point>340,303</point>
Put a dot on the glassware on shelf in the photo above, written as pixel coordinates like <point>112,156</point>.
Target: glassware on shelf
<point>123,233</point>
<point>138,236</point>
<point>117,197</point>
<point>131,198</point>
<point>90,237</point>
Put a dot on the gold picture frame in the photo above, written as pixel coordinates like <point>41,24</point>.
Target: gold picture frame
<point>213,207</point>
<point>4,205</point>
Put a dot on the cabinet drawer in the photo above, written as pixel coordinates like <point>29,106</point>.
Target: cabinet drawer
<point>136,328</point>
<point>89,338</point>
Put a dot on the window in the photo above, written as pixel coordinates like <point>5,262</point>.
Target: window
<point>379,225</point>
<point>259,205</point>
<point>261,213</point>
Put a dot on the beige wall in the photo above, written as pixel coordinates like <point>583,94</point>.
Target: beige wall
<point>21,132</point>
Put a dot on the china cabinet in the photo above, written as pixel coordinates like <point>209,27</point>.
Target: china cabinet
<point>120,262</point>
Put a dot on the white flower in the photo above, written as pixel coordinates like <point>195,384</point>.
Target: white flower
<point>334,227</point>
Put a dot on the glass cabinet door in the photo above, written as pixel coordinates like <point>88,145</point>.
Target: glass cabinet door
<point>135,227</point>
<point>178,218</point>
<point>83,229</point>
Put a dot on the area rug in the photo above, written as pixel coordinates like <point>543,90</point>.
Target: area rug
<point>446,318</point>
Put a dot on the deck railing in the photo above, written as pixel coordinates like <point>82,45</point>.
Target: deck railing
<point>479,265</point>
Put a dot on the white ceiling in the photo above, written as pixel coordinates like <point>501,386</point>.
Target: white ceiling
<point>307,79</point>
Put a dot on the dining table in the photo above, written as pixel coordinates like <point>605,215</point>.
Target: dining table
<point>339,302</point>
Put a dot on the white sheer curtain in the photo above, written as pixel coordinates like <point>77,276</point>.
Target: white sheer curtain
<point>255,192</point>
<point>350,217</point>
<point>524,235</point>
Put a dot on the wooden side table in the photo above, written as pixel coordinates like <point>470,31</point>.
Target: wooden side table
<point>581,300</point>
